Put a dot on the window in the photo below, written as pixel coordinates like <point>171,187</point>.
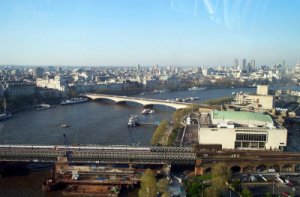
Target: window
<point>251,137</point>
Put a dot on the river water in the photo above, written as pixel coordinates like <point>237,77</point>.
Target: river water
<point>93,122</point>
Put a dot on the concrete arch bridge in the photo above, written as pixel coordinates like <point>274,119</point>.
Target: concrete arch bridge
<point>143,101</point>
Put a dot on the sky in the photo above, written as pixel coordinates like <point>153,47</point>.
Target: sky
<point>149,32</point>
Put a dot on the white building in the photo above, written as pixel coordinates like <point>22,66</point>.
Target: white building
<point>242,130</point>
<point>57,83</point>
<point>260,100</point>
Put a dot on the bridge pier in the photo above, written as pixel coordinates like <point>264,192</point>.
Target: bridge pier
<point>148,106</point>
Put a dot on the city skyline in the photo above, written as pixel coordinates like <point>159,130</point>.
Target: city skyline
<point>171,32</point>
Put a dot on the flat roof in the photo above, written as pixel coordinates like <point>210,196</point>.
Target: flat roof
<point>242,115</point>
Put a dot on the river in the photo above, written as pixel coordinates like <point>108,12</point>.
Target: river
<point>93,122</point>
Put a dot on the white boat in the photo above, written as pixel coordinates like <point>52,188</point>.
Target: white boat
<point>43,107</point>
<point>133,121</point>
<point>196,88</point>
<point>64,126</point>
<point>194,98</point>
<point>73,101</point>
<point>233,93</point>
<point>5,115</point>
<point>148,111</point>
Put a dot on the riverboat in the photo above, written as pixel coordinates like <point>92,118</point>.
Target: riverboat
<point>5,115</point>
<point>73,101</point>
<point>196,88</point>
<point>148,111</point>
<point>133,121</point>
<point>43,107</point>
<point>92,190</point>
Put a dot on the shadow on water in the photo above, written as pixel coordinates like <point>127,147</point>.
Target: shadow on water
<point>13,169</point>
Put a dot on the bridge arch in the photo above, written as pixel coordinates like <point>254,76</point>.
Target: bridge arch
<point>275,167</point>
<point>235,169</point>
<point>287,168</point>
<point>261,168</point>
<point>248,169</point>
<point>208,170</point>
<point>297,167</point>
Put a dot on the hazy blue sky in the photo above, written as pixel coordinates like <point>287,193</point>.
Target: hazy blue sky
<point>147,32</point>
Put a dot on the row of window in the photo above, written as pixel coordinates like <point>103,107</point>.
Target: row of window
<point>251,137</point>
<point>249,144</point>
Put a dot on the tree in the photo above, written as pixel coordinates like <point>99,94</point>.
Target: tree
<point>148,184</point>
<point>220,175</point>
<point>163,185</point>
<point>211,192</point>
<point>165,194</point>
<point>159,132</point>
<point>268,194</point>
<point>246,193</point>
<point>194,190</point>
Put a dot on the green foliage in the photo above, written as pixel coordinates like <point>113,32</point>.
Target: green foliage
<point>148,184</point>
<point>219,101</point>
<point>159,132</point>
<point>268,194</point>
<point>246,193</point>
<point>163,185</point>
<point>220,175</point>
<point>211,192</point>
<point>165,194</point>
<point>236,185</point>
<point>179,114</point>
<point>172,137</point>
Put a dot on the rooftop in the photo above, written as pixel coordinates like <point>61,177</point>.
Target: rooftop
<point>242,115</point>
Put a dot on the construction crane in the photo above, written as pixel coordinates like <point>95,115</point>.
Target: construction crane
<point>68,151</point>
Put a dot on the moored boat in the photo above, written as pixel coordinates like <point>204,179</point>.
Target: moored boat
<point>197,88</point>
<point>73,101</point>
<point>43,107</point>
<point>5,115</point>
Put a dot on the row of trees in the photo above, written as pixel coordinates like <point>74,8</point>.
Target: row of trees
<point>214,184</point>
<point>219,101</point>
<point>150,187</point>
<point>159,133</point>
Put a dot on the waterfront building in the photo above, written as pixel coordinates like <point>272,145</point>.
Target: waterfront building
<point>261,100</point>
<point>57,83</point>
<point>242,130</point>
<point>19,88</point>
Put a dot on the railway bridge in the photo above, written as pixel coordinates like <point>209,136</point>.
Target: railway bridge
<point>249,161</point>
<point>241,161</point>
<point>99,154</point>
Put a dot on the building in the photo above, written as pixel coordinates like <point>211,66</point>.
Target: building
<point>18,89</point>
<point>259,101</point>
<point>57,83</point>
<point>242,130</point>
<point>38,72</point>
<point>236,63</point>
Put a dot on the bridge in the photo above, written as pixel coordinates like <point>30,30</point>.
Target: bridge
<point>144,101</point>
<point>99,154</point>
<point>241,161</point>
<point>248,161</point>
